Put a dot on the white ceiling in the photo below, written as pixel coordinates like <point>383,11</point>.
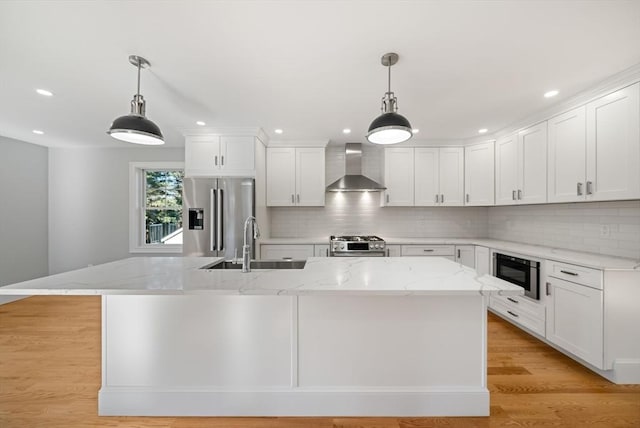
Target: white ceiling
<point>309,67</point>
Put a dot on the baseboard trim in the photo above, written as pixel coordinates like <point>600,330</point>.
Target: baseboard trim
<point>119,401</point>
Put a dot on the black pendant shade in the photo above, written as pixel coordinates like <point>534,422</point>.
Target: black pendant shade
<point>137,129</point>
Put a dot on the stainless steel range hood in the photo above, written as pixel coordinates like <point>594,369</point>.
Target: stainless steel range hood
<point>353,180</point>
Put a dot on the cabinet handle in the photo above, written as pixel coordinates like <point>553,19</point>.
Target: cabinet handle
<point>428,250</point>
<point>512,314</point>
<point>387,252</point>
<point>512,300</point>
<point>215,160</point>
<point>467,197</point>
<point>222,160</point>
<point>327,255</point>
<point>287,258</point>
<point>513,195</point>
<point>589,188</point>
<point>298,197</point>
<point>548,289</point>
<point>579,189</point>
<point>387,198</point>
<point>569,273</point>
<point>437,198</point>
<point>458,254</point>
<point>519,194</point>
<point>293,201</point>
<point>442,198</point>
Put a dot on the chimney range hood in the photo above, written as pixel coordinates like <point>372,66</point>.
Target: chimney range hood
<point>353,180</point>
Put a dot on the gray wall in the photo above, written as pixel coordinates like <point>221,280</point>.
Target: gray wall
<point>89,203</point>
<point>23,212</point>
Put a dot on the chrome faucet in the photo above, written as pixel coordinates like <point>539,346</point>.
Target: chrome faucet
<point>246,249</point>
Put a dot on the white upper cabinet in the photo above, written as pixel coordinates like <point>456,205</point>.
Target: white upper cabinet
<point>439,176</point>
<point>398,177</point>
<point>479,174</point>
<point>295,176</point>
<point>219,156</point>
<point>521,167</point>
<point>613,146</point>
<point>567,156</point>
<point>532,165</point>
<point>507,170</point>
<point>594,150</point>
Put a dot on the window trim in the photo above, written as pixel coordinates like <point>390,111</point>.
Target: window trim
<point>137,242</point>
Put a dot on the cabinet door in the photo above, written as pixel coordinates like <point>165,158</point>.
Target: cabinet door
<point>201,156</point>
<point>466,255</point>
<point>574,319</point>
<point>507,170</point>
<point>567,156</point>
<point>281,176</point>
<point>532,165</point>
<point>310,182</point>
<point>286,252</point>
<point>613,146</point>
<point>483,260</point>
<point>394,250</point>
<point>398,176</point>
<point>321,250</point>
<point>427,177</point>
<point>451,176</point>
<point>237,155</point>
<point>479,173</point>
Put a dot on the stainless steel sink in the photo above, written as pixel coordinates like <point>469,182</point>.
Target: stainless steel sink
<point>259,264</point>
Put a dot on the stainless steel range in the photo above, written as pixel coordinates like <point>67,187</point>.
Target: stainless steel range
<point>356,246</point>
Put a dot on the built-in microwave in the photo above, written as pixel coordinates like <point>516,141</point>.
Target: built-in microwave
<point>522,272</point>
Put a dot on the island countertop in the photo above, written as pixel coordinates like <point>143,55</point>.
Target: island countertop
<point>320,276</point>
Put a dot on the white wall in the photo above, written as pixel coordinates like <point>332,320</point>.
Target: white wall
<point>23,212</point>
<point>611,228</point>
<point>89,203</point>
<point>360,213</point>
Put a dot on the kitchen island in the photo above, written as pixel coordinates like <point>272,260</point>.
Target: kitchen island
<point>341,337</point>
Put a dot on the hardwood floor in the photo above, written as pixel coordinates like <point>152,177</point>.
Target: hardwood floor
<point>50,376</point>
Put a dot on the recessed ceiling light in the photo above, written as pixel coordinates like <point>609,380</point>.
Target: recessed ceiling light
<point>44,92</point>
<point>346,131</point>
<point>37,131</point>
<point>550,94</point>
<point>415,130</point>
<point>278,131</point>
<point>200,123</point>
<point>482,131</point>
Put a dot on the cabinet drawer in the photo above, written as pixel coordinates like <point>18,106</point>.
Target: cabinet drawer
<point>279,252</point>
<point>517,316</point>
<point>573,273</point>
<point>522,305</point>
<point>428,250</point>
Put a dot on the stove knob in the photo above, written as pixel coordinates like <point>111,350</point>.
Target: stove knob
<point>342,246</point>
<point>376,246</point>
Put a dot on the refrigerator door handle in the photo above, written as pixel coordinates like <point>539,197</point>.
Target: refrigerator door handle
<point>219,219</point>
<point>212,216</point>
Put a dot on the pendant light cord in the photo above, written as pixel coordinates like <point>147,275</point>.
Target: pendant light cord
<point>389,81</point>
<point>138,93</point>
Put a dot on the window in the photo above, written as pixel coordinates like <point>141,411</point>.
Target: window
<point>156,207</point>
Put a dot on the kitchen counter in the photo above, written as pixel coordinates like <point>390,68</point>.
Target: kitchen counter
<point>320,276</point>
<point>596,261</point>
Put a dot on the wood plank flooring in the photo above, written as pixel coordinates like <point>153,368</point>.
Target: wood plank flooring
<point>50,376</point>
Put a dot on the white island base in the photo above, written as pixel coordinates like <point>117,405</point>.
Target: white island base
<point>294,355</point>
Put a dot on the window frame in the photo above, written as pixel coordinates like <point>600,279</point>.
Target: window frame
<point>137,207</point>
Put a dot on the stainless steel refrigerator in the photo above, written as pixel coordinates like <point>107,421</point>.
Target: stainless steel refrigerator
<point>215,210</point>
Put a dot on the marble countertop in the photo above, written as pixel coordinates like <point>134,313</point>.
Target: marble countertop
<point>320,276</point>
<point>596,261</point>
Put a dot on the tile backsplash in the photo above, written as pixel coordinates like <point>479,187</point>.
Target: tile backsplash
<point>611,228</point>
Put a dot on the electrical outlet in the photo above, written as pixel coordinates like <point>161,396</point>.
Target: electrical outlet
<point>605,230</point>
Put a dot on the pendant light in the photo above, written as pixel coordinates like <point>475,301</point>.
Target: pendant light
<point>135,127</point>
<point>390,127</point>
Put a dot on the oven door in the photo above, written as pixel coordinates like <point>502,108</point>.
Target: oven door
<point>358,254</point>
<point>523,273</point>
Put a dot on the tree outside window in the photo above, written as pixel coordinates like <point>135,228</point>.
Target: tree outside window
<point>163,206</point>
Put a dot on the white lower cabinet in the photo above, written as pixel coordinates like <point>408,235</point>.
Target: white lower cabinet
<point>321,250</point>
<point>394,250</point>
<point>575,319</point>
<point>446,251</point>
<point>521,310</point>
<point>286,252</point>
<point>482,260</point>
<point>466,255</point>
